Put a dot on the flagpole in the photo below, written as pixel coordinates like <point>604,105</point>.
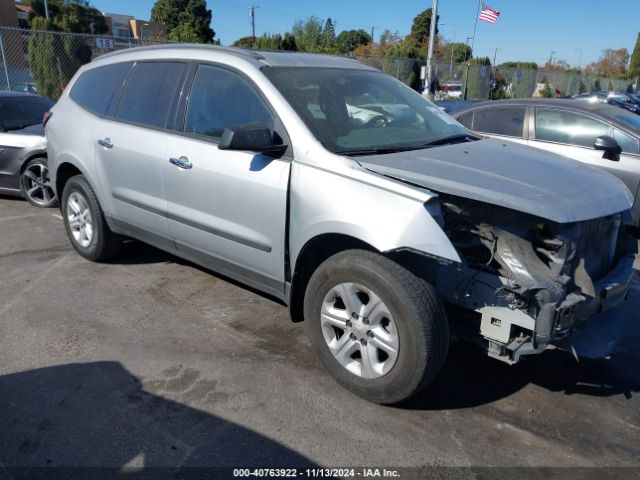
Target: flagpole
<point>473,39</point>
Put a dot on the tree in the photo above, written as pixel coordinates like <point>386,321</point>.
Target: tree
<point>54,59</point>
<point>612,63</point>
<point>478,84</point>
<point>582,88</point>
<point>328,36</point>
<point>390,38</point>
<point>308,34</point>
<point>75,16</point>
<point>349,40</point>
<point>546,91</point>
<point>173,13</point>
<point>634,64</point>
<point>421,29</point>
<point>597,86</point>
<point>456,52</point>
<point>184,32</point>
<point>244,42</point>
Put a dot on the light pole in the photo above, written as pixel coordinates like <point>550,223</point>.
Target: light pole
<point>432,39</point>
<point>46,9</point>
<point>579,58</point>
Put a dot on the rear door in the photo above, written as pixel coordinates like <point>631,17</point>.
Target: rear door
<point>130,149</point>
<point>573,134</point>
<point>227,209</point>
<point>505,122</point>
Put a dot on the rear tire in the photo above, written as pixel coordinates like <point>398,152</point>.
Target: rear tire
<point>395,334</point>
<point>85,223</point>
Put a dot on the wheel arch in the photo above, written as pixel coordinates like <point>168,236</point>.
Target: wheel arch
<point>312,254</point>
<point>32,155</point>
<point>64,172</point>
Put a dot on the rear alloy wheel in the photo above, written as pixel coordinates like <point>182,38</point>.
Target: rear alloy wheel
<point>85,223</point>
<point>379,330</point>
<point>35,184</point>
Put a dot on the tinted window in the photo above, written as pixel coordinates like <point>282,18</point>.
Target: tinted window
<point>220,99</point>
<point>466,119</point>
<point>20,112</point>
<point>98,89</point>
<point>568,127</point>
<point>627,142</point>
<point>501,121</point>
<point>150,92</point>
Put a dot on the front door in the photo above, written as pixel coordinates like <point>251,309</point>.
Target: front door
<point>227,209</point>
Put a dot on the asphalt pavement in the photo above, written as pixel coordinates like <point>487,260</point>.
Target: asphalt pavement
<point>149,361</point>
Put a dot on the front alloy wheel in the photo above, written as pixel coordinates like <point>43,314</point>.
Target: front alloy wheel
<point>359,330</point>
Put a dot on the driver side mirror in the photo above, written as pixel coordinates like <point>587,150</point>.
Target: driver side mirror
<point>610,147</point>
<point>251,137</point>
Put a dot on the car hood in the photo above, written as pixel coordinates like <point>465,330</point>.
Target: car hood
<point>509,175</point>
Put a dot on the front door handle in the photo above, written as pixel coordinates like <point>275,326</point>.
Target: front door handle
<point>105,142</point>
<point>182,162</point>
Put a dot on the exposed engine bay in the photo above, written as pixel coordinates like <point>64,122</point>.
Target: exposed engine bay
<point>533,282</point>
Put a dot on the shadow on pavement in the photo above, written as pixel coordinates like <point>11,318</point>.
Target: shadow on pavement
<point>57,421</point>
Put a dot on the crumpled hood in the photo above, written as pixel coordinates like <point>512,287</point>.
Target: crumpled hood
<point>510,175</point>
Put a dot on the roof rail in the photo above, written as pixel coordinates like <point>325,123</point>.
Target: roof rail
<point>187,46</point>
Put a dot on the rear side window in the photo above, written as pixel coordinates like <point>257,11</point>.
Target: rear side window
<point>150,92</point>
<point>98,89</point>
<point>19,112</point>
<point>466,119</point>
<point>568,127</point>
<point>219,99</point>
<point>507,121</point>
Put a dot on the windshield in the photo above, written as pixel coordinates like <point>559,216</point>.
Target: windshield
<point>20,112</point>
<point>360,111</point>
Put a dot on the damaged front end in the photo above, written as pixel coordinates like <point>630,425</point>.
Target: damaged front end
<point>535,283</point>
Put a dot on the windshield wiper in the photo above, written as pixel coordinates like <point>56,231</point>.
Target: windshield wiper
<point>376,151</point>
<point>457,138</point>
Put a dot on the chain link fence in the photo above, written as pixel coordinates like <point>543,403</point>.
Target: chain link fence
<point>44,62</point>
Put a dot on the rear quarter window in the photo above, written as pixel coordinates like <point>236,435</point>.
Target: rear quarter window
<point>98,89</point>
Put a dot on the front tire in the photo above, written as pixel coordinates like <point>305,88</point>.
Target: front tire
<point>85,223</point>
<point>379,330</point>
<point>35,185</point>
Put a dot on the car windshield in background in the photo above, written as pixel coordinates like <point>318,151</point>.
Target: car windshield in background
<point>20,112</point>
<point>362,112</point>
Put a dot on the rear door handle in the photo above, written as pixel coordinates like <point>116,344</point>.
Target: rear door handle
<point>105,142</point>
<point>182,162</point>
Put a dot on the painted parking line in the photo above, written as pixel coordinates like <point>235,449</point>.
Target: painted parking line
<point>7,219</point>
<point>56,215</point>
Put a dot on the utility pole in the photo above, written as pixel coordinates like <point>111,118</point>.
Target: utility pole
<point>373,29</point>
<point>495,53</point>
<point>252,16</point>
<point>553,52</point>
<point>46,9</point>
<point>432,38</point>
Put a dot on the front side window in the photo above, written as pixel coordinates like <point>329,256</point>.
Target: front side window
<point>150,92</point>
<point>568,127</point>
<point>98,89</point>
<point>507,121</point>
<point>356,111</point>
<point>626,142</point>
<point>219,99</point>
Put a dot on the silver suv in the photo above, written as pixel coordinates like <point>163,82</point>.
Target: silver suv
<point>381,221</point>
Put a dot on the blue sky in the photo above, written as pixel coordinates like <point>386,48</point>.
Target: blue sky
<point>527,29</point>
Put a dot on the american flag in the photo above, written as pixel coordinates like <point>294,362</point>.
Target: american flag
<point>488,15</point>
